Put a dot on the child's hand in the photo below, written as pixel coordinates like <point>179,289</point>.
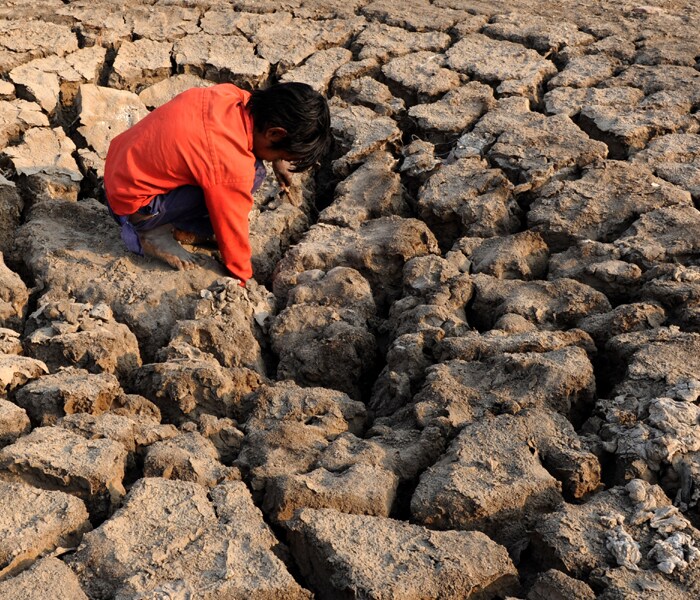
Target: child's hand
<point>284,177</point>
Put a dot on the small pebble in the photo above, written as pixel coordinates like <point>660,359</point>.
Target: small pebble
<point>637,490</point>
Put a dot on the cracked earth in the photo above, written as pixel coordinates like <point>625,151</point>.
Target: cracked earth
<point>468,363</point>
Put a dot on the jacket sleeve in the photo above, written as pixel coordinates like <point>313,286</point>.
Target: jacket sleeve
<point>229,205</point>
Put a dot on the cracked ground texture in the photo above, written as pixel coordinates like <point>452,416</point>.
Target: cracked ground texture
<point>468,363</point>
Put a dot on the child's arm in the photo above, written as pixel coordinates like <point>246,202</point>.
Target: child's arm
<point>229,205</point>
<point>284,177</point>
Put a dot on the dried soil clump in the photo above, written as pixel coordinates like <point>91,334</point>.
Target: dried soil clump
<point>39,522</point>
<point>190,540</point>
<point>421,561</point>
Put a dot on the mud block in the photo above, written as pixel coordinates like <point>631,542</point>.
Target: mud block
<point>601,205</point>
<point>341,287</point>
<point>455,112</point>
<point>436,292</point>
<point>14,298</point>
<point>626,318</point>
<point>628,127</point>
<point>676,158</point>
<point>677,289</point>
<point>159,93</point>
<point>530,147</point>
<point>53,81</point>
<point>555,585</point>
<point>224,434</point>
<point>652,439</point>
<point>171,537</point>
<point>22,40</point>
<point>420,75</point>
<point>16,370</point>
<point>221,58</point>
<point>135,432</point>
<point>51,457</point>
<point>666,235</point>
<point>163,22</point>
<point>373,190</point>
<point>585,71</point>
<point>624,527</point>
<point>14,422</point>
<point>47,578</point>
<point>289,426</point>
<point>376,95</point>
<point>378,250</point>
<point>599,266</point>
<point>419,160</point>
<point>650,79</point>
<point>38,522</point>
<point>184,388</point>
<point>67,392</point>
<point>10,342</point>
<point>414,15</point>
<point>476,346</point>
<point>494,477</point>
<point>653,363</point>
<point>517,71</point>
<point>348,556</point>
<point>328,9</point>
<point>382,41</point>
<point>550,305</point>
<point>360,133</point>
<point>7,91</point>
<point>318,70</point>
<point>621,582</point>
<point>140,63</point>
<point>463,391</point>
<point>361,489</point>
<point>45,161</point>
<point>544,33</point>
<point>16,116</point>
<point>104,113</point>
<point>188,457</point>
<point>272,231</point>
<point>519,256</point>
<point>322,346</point>
<point>352,72</point>
<point>227,323</point>
<point>288,43</point>
<point>98,24</point>
<point>84,336</point>
<point>389,446</point>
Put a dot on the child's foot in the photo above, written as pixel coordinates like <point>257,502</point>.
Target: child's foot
<point>159,242</point>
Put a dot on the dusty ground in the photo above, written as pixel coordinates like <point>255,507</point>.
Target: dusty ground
<point>469,363</point>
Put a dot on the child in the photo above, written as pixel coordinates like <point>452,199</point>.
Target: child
<point>191,166</point>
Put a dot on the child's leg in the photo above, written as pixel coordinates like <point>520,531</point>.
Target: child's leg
<point>182,208</point>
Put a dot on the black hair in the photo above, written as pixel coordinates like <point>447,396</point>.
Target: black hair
<point>302,112</point>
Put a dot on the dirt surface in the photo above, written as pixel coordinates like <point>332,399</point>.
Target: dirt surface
<point>467,365</point>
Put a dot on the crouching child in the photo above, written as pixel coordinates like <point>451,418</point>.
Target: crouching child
<point>189,169</point>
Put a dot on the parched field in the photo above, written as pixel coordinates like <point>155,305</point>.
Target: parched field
<point>468,364</point>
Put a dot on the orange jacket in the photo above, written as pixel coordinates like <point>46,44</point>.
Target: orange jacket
<point>202,137</point>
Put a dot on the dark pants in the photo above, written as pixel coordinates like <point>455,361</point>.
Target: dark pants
<point>183,208</point>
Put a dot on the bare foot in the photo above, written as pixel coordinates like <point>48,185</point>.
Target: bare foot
<point>187,237</point>
<point>159,242</point>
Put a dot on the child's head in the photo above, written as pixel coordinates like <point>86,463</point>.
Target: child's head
<point>291,120</point>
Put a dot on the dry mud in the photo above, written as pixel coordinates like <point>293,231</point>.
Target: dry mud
<point>469,363</point>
